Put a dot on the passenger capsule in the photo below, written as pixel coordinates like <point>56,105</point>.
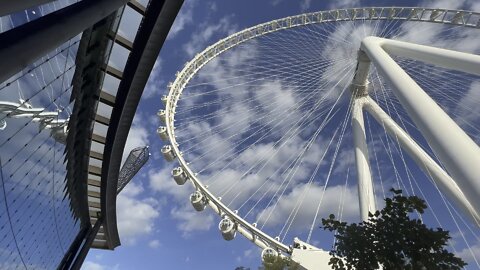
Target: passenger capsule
<point>227,228</point>
<point>162,115</point>
<point>457,17</point>
<point>162,133</point>
<point>434,15</point>
<point>164,99</point>
<point>179,176</point>
<point>199,202</point>
<point>269,254</point>
<point>168,153</point>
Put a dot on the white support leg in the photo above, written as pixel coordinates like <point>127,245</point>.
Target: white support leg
<point>424,161</point>
<point>454,148</point>
<point>465,62</point>
<point>365,185</point>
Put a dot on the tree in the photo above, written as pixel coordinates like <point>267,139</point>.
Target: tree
<point>391,239</point>
<point>271,262</point>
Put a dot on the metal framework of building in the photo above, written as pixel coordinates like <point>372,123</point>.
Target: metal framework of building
<point>100,120</point>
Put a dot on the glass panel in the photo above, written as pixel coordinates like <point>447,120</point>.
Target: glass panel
<point>8,22</point>
<point>143,2</point>
<point>100,129</point>
<point>129,24</point>
<point>104,110</point>
<point>119,57</point>
<point>110,85</point>
<point>97,147</point>
<point>36,223</point>
<point>95,162</point>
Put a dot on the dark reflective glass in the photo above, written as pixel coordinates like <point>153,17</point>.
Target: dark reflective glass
<point>37,225</point>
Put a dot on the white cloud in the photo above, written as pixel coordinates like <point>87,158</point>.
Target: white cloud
<point>270,97</point>
<point>152,89</point>
<point>154,243</point>
<point>162,181</point>
<point>183,19</point>
<point>280,98</point>
<point>447,4</point>
<point>475,6</point>
<point>305,4</point>
<point>469,255</point>
<point>137,136</point>
<point>132,190</point>
<point>344,4</point>
<point>89,265</point>
<point>212,6</point>
<point>201,38</point>
<point>467,109</point>
<point>275,2</point>
<point>135,216</point>
<point>466,40</point>
<point>248,254</point>
<point>307,199</point>
<point>345,160</point>
<point>188,220</point>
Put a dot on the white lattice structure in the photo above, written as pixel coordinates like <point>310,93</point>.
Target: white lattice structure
<point>458,179</point>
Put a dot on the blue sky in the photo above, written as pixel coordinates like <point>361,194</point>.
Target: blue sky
<point>157,229</point>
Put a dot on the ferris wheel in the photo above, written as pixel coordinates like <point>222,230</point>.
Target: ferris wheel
<point>283,123</point>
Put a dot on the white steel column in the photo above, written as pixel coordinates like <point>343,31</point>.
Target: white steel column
<point>454,148</point>
<point>423,160</point>
<point>364,176</point>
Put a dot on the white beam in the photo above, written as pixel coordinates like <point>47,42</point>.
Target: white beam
<point>364,176</point>
<point>359,85</point>
<point>453,147</point>
<point>465,62</point>
<point>423,160</point>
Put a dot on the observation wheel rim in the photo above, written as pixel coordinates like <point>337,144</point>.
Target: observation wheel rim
<point>175,89</point>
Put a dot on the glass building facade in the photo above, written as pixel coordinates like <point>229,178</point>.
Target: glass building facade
<point>60,118</point>
<point>37,224</point>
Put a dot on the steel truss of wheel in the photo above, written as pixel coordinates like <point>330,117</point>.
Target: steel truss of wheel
<point>171,152</point>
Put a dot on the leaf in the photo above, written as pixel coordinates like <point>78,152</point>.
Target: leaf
<point>392,239</point>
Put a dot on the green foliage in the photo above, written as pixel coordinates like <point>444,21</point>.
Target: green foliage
<point>271,262</point>
<point>391,239</point>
